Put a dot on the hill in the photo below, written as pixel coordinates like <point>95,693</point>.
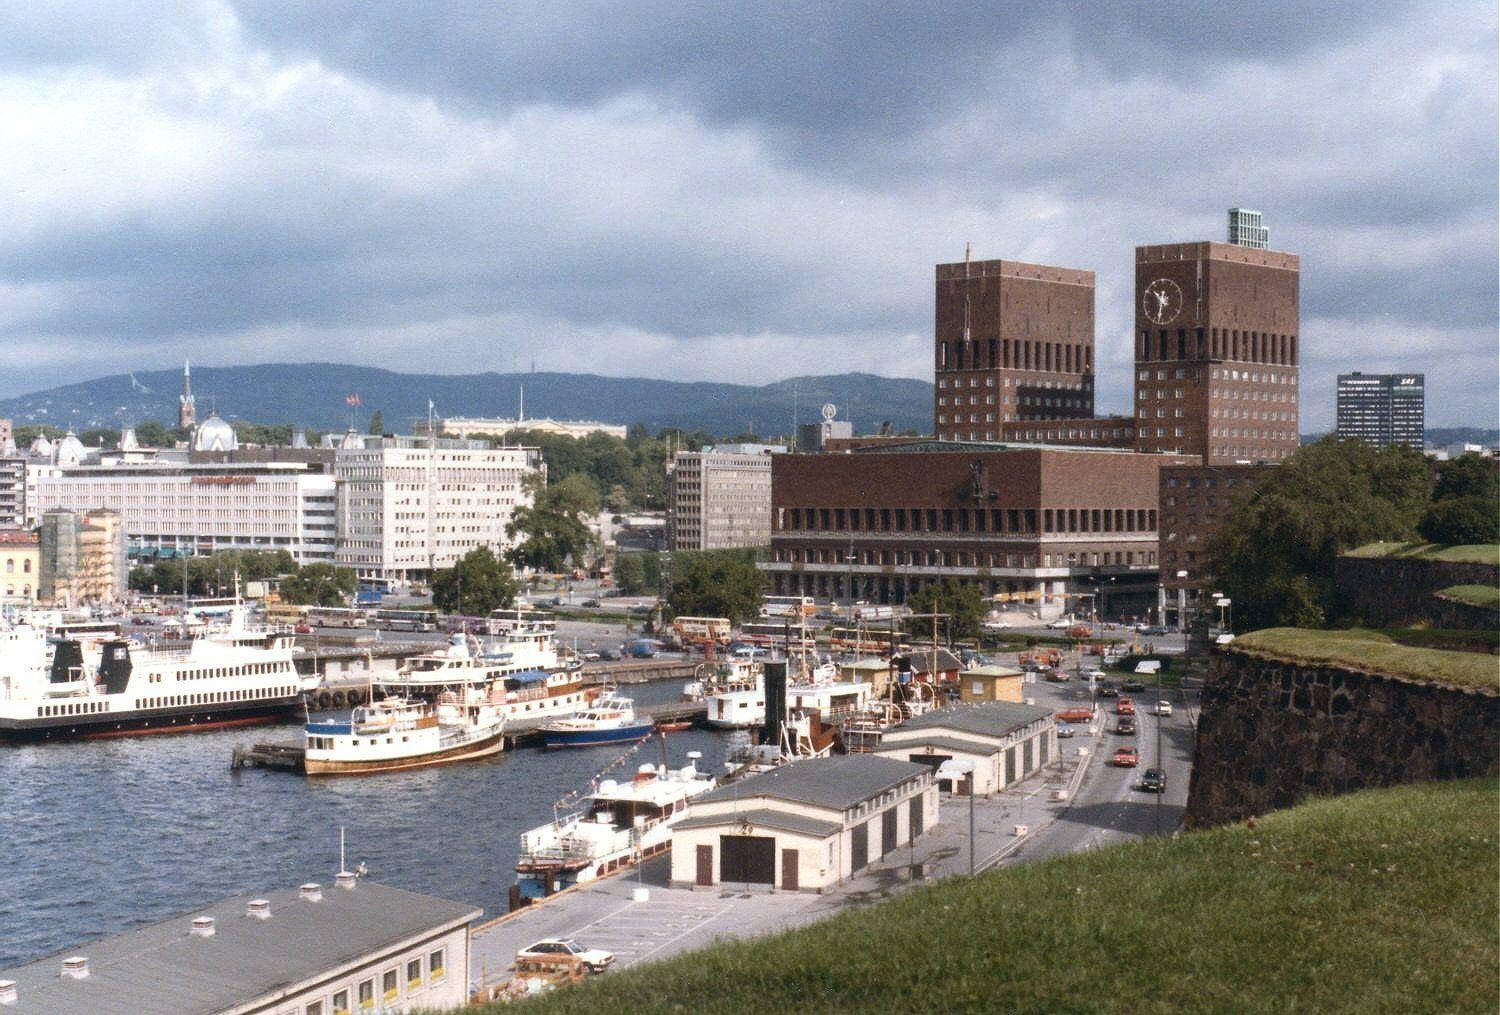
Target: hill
<point>313,394</point>
<point>1376,901</point>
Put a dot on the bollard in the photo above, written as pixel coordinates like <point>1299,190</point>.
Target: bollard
<point>1059,794</point>
<point>1083,752</point>
<point>640,894</point>
<point>1022,830</point>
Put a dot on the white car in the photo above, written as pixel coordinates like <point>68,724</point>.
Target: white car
<point>597,959</point>
<point>1163,708</point>
<point>1060,624</point>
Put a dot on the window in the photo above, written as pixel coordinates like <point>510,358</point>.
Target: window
<point>315,1008</point>
<point>388,985</point>
<point>341,1003</point>
<point>413,974</point>
<point>435,966</point>
<point>367,996</point>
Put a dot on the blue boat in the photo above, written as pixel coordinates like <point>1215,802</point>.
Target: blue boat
<point>610,720</point>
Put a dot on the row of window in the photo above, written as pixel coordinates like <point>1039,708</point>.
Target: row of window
<point>1217,343</point>
<point>1015,354</point>
<point>958,558</point>
<point>1005,521</point>
<point>221,672</point>
<point>363,994</point>
<point>217,697</point>
<point>72,708</point>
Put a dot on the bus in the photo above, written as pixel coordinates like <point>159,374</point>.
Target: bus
<point>286,613</point>
<point>406,620</point>
<point>774,634</point>
<point>787,606</point>
<point>864,639</point>
<point>335,616</point>
<point>701,630</point>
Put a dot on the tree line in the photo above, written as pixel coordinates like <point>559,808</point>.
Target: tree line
<point>214,574</point>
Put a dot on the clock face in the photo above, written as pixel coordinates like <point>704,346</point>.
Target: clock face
<point>1161,301</point>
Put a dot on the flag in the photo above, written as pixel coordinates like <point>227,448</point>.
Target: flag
<point>351,400</point>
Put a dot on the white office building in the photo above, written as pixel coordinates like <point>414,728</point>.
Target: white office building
<point>179,509</point>
<point>409,505</point>
<point>720,498</point>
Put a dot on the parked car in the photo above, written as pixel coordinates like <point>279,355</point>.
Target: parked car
<point>1064,731</point>
<point>641,609</point>
<point>1124,707</point>
<point>592,657</point>
<point>1154,632</point>
<point>1060,624</point>
<point>1133,685</point>
<point>608,654</point>
<point>1108,691</point>
<point>1056,676</point>
<point>1126,757</point>
<point>597,959</point>
<point>1126,726</point>
<point>1163,708</point>
<point>1154,780</point>
<point>591,602</point>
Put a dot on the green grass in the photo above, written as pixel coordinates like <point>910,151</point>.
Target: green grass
<point>1480,553</point>
<point>1376,901</point>
<point>1474,595</point>
<point>1375,652</point>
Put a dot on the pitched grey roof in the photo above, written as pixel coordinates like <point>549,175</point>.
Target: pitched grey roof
<point>762,817</point>
<point>989,718</point>
<point>164,968</point>
<point>836,783</point>
<point>937,740</point>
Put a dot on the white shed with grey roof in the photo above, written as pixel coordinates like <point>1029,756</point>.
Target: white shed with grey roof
<point>804,826</point>
<point>352,947</point>
<point>1006,742</point>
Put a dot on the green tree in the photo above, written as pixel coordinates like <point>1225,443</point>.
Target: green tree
<point>150,433</point>
<point>630,573</point>
<point>105,437</point>
<point>478,583</point>
<point>377,423</point>
<point>319,585</point>
<point>553,526</point>
<point>716,583</point>
<point>1470,475</point>
<point>962,601</point>
<point>1461,521</point>
<point>1275,554</point>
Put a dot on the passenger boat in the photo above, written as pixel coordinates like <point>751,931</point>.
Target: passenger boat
<point>621,824</point>
<point>393,734</point>
<point>610,720</point>
<point>231,675</point>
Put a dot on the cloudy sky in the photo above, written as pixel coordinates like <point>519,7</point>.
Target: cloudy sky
<point>725,191</point>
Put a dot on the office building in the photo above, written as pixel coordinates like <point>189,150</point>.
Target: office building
<point>172,508</point>
<point>410,505</point>
<point>356,947</point>
<point>1038,524</point>
<point>1245,229</point>
<point>12,492</point>
<point>465,427</point>
<point>1216,353</point>
<point>1382,409</point>
<point>720,498</point>
<point>1195,503</point>
<point>1011,341</point>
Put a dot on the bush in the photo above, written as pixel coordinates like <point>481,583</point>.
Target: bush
<point>1461,521</point>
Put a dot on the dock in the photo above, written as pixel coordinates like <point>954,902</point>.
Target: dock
<point>285,756</point>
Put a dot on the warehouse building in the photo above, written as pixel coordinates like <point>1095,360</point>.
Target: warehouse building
<point>805,826</point>
<point>358,947</point>
<point>1006,742</point>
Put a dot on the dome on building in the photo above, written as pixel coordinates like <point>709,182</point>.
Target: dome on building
<point>41,447</point>
<point>214,435</point>
<point>70,450</point>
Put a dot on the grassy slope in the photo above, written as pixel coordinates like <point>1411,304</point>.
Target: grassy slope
<point>1375,652</point>
<point>1476,595</point>
<point>1481,553</point>
<point>1383,900</point>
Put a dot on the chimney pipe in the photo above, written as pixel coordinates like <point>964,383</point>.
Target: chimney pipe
<point>258,909</point>
<point>75,967</point>
<point>311,892</point>
<point>203,926</point>
<point>346,879</point>
<point>7,991</point>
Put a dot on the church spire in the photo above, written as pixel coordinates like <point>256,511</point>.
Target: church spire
<point>187,412</point>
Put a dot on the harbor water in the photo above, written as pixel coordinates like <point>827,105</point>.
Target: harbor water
<point>100,836</point>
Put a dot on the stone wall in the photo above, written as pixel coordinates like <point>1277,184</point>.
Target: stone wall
<point>1398,591</point>
<point>1272,733</point>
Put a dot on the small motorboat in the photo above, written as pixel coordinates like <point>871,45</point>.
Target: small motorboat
<point>610,720</point>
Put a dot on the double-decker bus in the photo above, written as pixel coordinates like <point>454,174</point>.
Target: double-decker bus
<point>335,616</point>
<point>777,634</point>
<point>286,613</point>
<point>701,630</point>
<point>787,606</point>
<point>864,639</point>
<point>406,620</point>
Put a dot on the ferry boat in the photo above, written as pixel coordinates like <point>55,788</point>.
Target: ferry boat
<point>621,824</point>
<point>520,659</point>
<point>610,720</point>
<point>64,687</point>
<point>739,701</point>
<point>393,734</point>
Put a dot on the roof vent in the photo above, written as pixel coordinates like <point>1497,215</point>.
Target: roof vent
<point>75,967</point>
<point>203,926</point>
<point>259,909</point>
<point>310,892</point>
<point>7,991</point>
<point>346,879</point>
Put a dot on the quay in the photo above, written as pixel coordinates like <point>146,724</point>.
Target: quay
<point>285,756</point>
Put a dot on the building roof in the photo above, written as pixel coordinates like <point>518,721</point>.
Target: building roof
<point>870,665</point>
<point>941,743</point>
<point>836,783</point>
<point>990,670</point>
<point>165,967</point>
<point>17,537</point>
<point>922,660</point>
<point>764,817</point>
<point>988,718</point>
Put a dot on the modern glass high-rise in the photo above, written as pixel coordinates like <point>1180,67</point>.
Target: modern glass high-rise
<point>1245,229</point>
<point>1382,409</point>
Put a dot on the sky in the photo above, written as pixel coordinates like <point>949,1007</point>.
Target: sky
<point>726,191</point>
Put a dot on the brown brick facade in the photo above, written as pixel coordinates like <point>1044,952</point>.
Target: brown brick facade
<point>1195,501</point>
<point>1013,519</point>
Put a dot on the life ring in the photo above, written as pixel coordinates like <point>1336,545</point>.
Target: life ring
<point>338,699</point>
<point>324,699</point>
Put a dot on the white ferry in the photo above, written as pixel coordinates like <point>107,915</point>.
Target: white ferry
<point>69,687</point>
<point>622,824</point>
<point>740,701</point>
<point>393,734</point>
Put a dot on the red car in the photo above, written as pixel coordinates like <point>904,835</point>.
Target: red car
<point>1124,706</point>
<point>1127,757</point>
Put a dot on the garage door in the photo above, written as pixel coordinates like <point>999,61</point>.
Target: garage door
<point>747,860</point>
<point>1030,748</point>
<point>916,816</point>
<point>887,831</point>
<point>1010,766</point>
<point>859,848</point>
